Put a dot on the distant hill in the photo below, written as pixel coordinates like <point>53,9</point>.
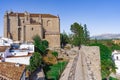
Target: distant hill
<point>106,36</point>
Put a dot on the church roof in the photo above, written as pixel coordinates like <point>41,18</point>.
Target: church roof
<point>10,71</point>
<point>32,15</point>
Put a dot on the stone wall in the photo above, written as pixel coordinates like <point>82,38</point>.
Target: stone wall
<point>53,40</point>
<point>90,63</point>
<point>31,31</point>
<point>84,64</point>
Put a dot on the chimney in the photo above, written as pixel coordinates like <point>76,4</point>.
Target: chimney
<point>17,65</point>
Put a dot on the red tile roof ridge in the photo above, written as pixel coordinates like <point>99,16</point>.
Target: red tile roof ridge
<point>33,15</point>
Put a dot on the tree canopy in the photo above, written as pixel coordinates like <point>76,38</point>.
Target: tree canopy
<point>64,39</point>
<point>78,34</point>
<point>35,62</point>
<point>86,35</point>
<point>40,45</point>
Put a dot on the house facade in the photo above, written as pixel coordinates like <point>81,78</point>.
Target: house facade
<point>116,59</point>
<point>23,26</point>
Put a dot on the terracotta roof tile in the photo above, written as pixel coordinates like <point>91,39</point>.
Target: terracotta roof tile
<point>33,15</point>
<point>10,71</point>
<point>3,48</point>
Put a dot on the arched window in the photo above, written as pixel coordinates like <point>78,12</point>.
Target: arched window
<point>49,23</point>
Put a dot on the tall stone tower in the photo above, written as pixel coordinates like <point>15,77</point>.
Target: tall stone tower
<point>23,26</point>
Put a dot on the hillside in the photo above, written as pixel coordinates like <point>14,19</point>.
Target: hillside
<point>106,36</point>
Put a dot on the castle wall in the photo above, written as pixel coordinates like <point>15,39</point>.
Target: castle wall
<point>90,63</point>
<point>54,40</point>
<point>84,64</point>
<point>51,24</point>
<point>32,30</point>
<point>13,27</point>
<point>5,25</point>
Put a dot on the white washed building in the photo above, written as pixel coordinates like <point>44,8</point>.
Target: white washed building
<point>21,55</point>
<point>116,58</point>
<point>5,41</point>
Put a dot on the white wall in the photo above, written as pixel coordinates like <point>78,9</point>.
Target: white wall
<point>5,41</point>
<point>117,63</point>
<point>19,53</point>
<point>21,60</point>
<point>30,47</point>
<point>116,58</point>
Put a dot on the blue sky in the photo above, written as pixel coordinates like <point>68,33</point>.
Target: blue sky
<point>101,16</point>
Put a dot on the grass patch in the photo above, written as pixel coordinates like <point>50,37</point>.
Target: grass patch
<point>53,72</point>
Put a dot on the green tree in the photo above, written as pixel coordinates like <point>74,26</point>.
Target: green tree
<point>70,36</point>
<point>78,34</point>
<point>40,45</point>
<point>64,39</point>
<point>86,35</point>
<point>45,43</point>
<point>107,64</point>
<point>35,62</point>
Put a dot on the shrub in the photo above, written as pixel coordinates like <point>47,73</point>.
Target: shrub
<point>55,54</point>
<point>40,45</point>
<point>35,62</point>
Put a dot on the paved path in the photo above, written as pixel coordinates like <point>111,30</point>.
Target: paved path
<point>79,68</point>
<point>84,66</point>
<point>67,70</point>
<point>38,75</point>
<point>73,68</point>
<point>70,70</point>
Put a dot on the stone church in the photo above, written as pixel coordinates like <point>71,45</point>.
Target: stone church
<point>23,26</point>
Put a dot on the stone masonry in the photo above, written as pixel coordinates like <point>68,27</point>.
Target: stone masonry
<point>85,65</point>
<point>23,26</point>
<point>90,63</point>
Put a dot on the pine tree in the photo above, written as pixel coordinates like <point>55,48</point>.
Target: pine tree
<point>86,35</point>
<point>78,34</point>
